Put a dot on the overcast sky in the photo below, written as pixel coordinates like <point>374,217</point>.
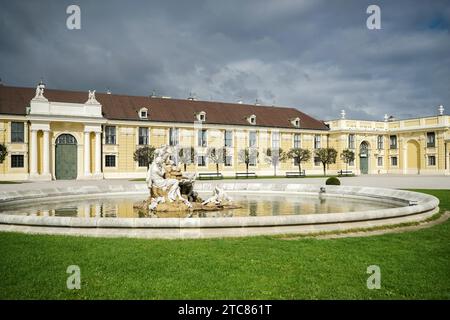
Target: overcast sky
<point>317,56</point>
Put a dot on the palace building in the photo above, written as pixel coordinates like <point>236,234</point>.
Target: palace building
<point>55,134</point>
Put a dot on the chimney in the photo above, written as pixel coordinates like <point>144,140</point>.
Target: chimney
<point>108,91</point>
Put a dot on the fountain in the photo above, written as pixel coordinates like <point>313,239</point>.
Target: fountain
<point>173,191</point>
<point>169,205</point>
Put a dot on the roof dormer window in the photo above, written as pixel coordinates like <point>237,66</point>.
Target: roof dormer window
<point>143,113</point>
<point>201,116</point>
<point>252,119</point>
<point>296,122</point>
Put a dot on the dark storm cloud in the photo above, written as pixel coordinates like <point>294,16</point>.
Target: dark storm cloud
<point>315,55</point>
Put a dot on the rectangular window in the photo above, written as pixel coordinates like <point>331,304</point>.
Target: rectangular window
<point>317,141</point>
<point>252,139</point>
<point>228,138</point>
<point>317,161</point>
<point>143,136</point>
<point>380,142</point>
<point>431,140</point>
<point>17,132</point>
<point>253,159</point>
<point>173,137</point>
<point>394,161</point>
<point>17,161</point>
<point>202,138</point>
<point>297,140</point>
<point>228,161</point>
<point>141,162</point>
<point>201,161</point>
<point>110,160</point>
<point>380,161</point>
<point>351,141</point>
<point>110,135</point>
<point>431,160</point>
<point>393,142</point>
<point>275,140</point>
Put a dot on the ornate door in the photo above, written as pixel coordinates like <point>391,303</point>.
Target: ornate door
<point>66,157</point>
<point>364,158</point>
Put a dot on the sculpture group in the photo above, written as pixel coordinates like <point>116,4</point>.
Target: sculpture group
<point>172,190</point>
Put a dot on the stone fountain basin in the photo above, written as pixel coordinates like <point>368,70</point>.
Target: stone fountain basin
<point>410,204</point>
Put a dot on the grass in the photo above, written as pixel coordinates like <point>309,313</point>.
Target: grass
<point>414,265</point>
<point>9,182</point>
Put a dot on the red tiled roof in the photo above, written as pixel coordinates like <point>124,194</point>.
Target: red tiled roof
<point>14,100</point>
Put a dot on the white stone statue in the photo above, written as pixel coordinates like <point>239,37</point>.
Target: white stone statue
<point>40,92</point>
<point>156,179</point>
<point>91,98</point>
<point>219,197</point>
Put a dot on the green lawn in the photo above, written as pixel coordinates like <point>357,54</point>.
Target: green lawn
<point>414,265</point>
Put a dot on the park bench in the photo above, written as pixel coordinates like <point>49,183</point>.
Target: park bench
<point>245,175</point>
<point>295,174</point>
<point>209,175</point>
<point>345,172</point>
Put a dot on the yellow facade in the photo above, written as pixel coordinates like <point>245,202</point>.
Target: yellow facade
<point>413,153</point>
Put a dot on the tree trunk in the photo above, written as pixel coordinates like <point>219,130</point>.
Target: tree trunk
<point>246,166</point>
<point>299,168</point>
<point>184,166</point>
<point>324,169</point>
<point>275,170</point>
<point>217,168</point>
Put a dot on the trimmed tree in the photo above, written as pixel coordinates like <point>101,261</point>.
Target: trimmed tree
<point>3,152</point>
<point>186,156</point>
<point>146,154</point>
<point>247,155</point>
<point>347,156</point>
<point>299,155</point>
<point>216,156</point>
<point>275,157</point>
<point>326,156</point>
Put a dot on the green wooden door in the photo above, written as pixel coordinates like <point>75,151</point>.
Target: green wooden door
<point>364,158</point>
<point>66,158</point>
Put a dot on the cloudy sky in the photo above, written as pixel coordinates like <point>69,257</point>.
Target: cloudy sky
<point>318,56</point>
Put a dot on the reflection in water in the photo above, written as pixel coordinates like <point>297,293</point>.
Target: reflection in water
<point>252,205</point>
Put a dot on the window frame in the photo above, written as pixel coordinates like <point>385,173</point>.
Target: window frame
<point>317,141</point>
<point>202,138</point>
<point>110,139</point>
<point>391,145</point>
<point>250,133</point>
<point>14,163</point>
<point>174,137</point>
<point>351,141</point>
<point>431,144</point>
<point>230,139</point>
<point>143,140</point>
<point>107,163</point>
<point>380,142</point>
<point>297,142</point>
<point>429,157</point>
<point>14,133</point>
<point>392,161</point>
